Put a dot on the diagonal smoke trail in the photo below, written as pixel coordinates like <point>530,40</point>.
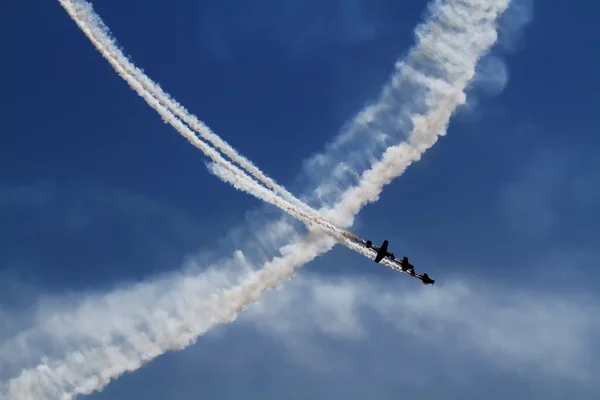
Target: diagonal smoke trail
<point>255,189</point>
<point>444,61</point>
<point>94,28</point>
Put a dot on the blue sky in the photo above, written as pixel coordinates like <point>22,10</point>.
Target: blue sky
<point>103,205</point>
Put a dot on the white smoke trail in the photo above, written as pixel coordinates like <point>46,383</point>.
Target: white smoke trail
<point>255,189</point>
<point>81,12</point>
<point>99,34</point>
<point>449,48</point>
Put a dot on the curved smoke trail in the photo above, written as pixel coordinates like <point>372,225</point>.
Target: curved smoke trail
<point>99,34</point>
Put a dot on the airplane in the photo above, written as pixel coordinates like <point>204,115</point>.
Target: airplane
<point>404,264</point>
<point>381,251</point>
<point>427,280</point>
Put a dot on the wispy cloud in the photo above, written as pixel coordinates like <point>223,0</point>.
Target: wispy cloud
<point>540,334</point>
<point>517,330</point>
<point>472,340</point>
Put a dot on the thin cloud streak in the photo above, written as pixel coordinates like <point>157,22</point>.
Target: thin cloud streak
<point>520,331</point>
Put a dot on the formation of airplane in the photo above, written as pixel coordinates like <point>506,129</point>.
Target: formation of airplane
<point>382,252</point>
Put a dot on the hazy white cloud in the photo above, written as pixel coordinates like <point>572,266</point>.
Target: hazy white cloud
<point>355,337</point>
<point>513,329</point>
<point>517,330</point>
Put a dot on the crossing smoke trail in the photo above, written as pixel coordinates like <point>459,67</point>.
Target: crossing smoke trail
<point>444,60</point>
<point>259,191</point>
<point>94,28</point>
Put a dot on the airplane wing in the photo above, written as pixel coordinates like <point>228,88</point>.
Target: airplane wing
<point>382,252</point>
